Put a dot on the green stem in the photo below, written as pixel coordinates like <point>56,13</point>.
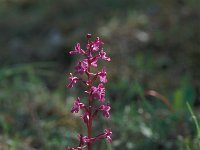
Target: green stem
<point>194,119</point>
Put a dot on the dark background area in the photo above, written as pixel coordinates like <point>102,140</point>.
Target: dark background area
<point>154,45</point>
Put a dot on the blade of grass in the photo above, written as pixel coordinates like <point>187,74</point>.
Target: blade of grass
<point>194,119</point>
<point>196,123</point>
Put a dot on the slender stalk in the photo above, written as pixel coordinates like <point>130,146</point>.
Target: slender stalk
<point>92,54</point>
<point>90,107</point>
<point>90,129</point>
<point>90,122</point>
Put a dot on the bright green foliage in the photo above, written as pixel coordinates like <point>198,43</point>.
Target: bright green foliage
<point>185,93</point>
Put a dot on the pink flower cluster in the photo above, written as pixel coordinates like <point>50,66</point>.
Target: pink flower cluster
<point>92,54</point>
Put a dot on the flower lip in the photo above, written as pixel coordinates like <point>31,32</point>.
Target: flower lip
<point>105,110</point>
<point>77,106</point>
<point>98,92</point>
<point>108,134</point>
<point>96,45</point>
<point>77,50</point>
<point>102,75</point>
<point>72,79</point>
<point>81,67</point>
<point>103,56</point>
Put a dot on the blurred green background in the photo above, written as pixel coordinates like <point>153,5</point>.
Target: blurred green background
<point>154,45</point>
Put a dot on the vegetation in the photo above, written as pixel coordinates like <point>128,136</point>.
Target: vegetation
<point>154,46</point>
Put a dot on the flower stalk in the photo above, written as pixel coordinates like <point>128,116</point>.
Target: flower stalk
<point>92,54</point>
